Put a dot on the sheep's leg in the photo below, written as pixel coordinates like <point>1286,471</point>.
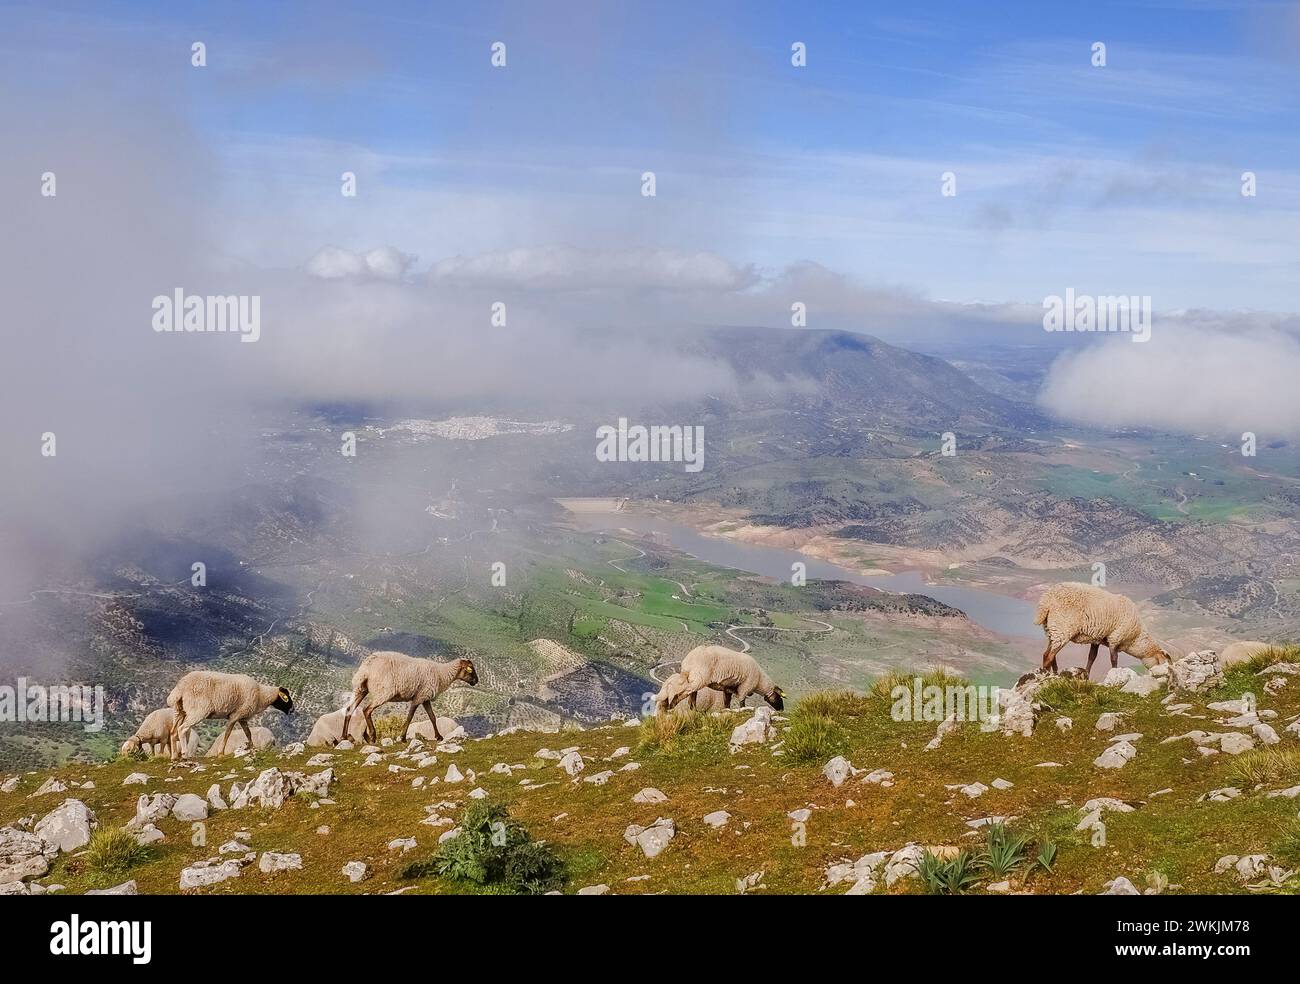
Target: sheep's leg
<point>433,719</point>
<point>410,716</point>
<point>248,734</point>
<point>351,709</point>
<point>1092,656</point>
<point>1114,657</point>
<point>726,700</point>
<point>177,733</point>
<point>371,732</point>
<point>693,693</point>
<point>1049,655</point>
<point>230,726</point>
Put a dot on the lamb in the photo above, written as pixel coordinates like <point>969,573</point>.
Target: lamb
<point>154,735</point>
<point>387,676</point>
<point>1076,612</point>
<point>205,694</point>
<point>262,738</point>
<point>706,700</point>
<point>733,674</point>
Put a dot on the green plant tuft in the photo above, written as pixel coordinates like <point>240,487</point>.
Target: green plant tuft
<point>113,850</point>
<point>495,852</point>
<point>950,876</point>
<point>812,738</point>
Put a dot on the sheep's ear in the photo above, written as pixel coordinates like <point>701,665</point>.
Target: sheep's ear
<point>284,692</point>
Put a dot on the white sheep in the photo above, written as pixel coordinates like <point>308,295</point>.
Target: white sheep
<point>262,738</point>
<point>205,694</point>
<point>328,729</point>
<point>1244,652</point>
<point>706,700</point>
<point>732,673</point>
<point>154,735</point>
<point>387,676</point>
<point>1076,612</point>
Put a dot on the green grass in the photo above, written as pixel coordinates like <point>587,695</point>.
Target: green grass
<point>833,704</point>
<point>1263,766</point>
<point>685,733</point>
<point>112,851</point>
<point>813,738</point>
<point>1069,694</point>
<point>1243,678</point>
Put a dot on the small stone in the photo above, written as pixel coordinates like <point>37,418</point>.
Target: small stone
<point>1234,744</point>
<point>1115,757</point>
<point>68,826</point>
<point>272,862</point>
<point>149,834</point>
<point>717,819</point>
<point>1266,734</point>
<point>1108,721</point>
<point>402,844</point>
<point>650,795</point>
<point>1120,886</point>
<point>189,807</point>
<point>202,874</point>
<point>356,871</point>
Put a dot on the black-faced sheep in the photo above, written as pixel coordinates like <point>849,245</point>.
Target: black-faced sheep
<point>205,694</point>
<point>387,676</point>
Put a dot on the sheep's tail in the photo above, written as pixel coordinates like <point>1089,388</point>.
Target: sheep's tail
<point>174,698</point>
<point>1040,616</point>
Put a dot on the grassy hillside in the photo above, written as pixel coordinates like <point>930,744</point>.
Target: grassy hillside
<point>1171,839</point>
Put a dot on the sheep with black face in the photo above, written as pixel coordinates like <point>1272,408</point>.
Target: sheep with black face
<point>205,694</point>
<point>388,676</point>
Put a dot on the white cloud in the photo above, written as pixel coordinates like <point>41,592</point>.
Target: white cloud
<point>381,263</point>
<point>1189,378</point>
<point>570,268</point>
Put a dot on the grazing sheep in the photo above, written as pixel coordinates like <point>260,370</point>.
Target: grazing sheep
<point>154,735</point>
<point>328,729</point>
<point>447,728</point>
<point>262,738</point>
<point>386,676</point>
<point>706,700</point>
<point>1242,652</point>
<point>1075,612</point>
<point>204,694</point>
<point>733,674</point>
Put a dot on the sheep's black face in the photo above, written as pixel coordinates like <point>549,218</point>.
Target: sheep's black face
<point>283,702</point>
<point>777,700</point>
<point>468,673</point>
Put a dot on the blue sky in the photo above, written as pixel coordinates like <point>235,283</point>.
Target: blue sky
<point>1117,179</point>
